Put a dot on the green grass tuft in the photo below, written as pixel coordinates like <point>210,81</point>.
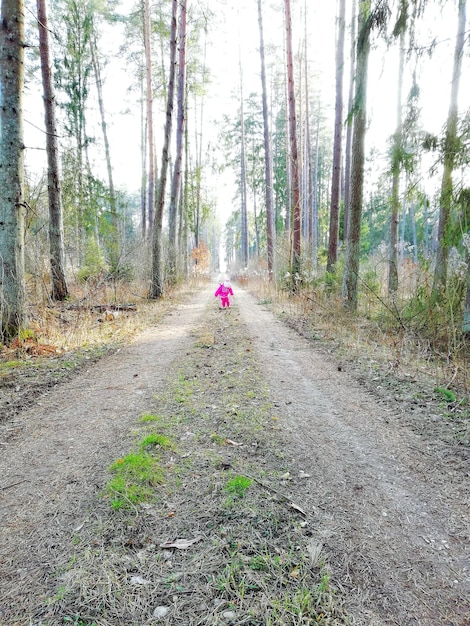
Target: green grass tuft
<point>154,439</point>
<point>148,417</point>
<point>446,394</point>
<point>135,475</point>
<point>238,485</point>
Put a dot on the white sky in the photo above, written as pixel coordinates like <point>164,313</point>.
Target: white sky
<point>238,20</point>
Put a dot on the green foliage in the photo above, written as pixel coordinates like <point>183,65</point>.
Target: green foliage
<point>148,417</point>
<point>446,394</point>
<point>135,475</point>
<point>217,439</point>
<point>370,282</point>
<point>26,333</point>
<point>238,485</point>
<point>333,282</point>
<point>94,264</point>
<point>156,440</point>
<point>122,272</point>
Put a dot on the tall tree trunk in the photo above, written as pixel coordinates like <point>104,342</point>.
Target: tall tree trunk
<point>316,195</point>
<point>353,242</point>
<point>309,194</point>
<point>397,158</point>
<point>243,185</point>
<point>268,159</point>
<point>184,242</point>
<point>349,122</point>
<point>337,143</point>
<point>56,227</point>
<point>401,246</point>
<point>12,209</point>
<point>74,77</point>
<point>198,147</point>
<point>295,200</point>
<point>143,156</point>
<point>149,101</point>
<point>114,240</point>
<point>413,232</point>
<point>450,153</point>
<point>176,180</point>
<point>156,287</point>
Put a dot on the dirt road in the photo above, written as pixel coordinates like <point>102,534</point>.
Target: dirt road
<point>389,507</point>
<point>397,532</point>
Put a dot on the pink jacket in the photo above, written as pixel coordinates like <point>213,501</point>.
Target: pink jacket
<point>223,291</point>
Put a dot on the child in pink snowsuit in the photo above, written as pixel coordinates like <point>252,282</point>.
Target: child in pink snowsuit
<point>224,291</point>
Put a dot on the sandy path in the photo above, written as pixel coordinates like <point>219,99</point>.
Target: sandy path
<point>398,537</point>
<point>395,535</point>
<point>51,470</point>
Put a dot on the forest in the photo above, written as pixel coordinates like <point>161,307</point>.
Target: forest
<point>317,210</point>
<point>301,456</point>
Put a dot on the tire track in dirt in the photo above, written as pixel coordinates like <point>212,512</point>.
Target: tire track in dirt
<point>397,537</point>
<point>54,466</point>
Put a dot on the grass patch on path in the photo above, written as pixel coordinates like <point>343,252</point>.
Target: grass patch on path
<point>215,536</point>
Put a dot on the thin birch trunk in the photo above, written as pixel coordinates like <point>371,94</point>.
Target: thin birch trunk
<point>315,221</point>
<point>114,243</point>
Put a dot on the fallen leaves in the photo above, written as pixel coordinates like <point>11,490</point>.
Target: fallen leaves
<point>180,544</point>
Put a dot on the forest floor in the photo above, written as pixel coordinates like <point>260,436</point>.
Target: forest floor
<point>290,482</point>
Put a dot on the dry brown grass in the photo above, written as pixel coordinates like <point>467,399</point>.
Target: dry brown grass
<point>378,332</point>
<point>405,362</point>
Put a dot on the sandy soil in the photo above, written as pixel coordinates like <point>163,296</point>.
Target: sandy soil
<point>381,497</point>
<point>389,504</point>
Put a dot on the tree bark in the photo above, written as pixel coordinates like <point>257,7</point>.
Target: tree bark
<point>243,184</point>
<point>59,290</point>
<point>353,242</point>
<point>349,125</point>
<point>149,101</point>
<point>295,200</point>
<point>156,287</point>
<point>143,162</point>
<point>176,180</point>
<point>337,143</point>
<point>12,209</point>
<point>268,160</point>
<point>396,161</point>
<point>450,153</point>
